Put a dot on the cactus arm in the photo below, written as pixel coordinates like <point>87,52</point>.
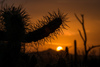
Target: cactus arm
<point>51,24</point>
<point>44,31</point>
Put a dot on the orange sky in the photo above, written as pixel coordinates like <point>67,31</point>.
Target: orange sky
<point>90,8</point>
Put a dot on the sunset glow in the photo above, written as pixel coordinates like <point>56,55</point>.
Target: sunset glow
<point>59,48</point>
<point>91,10</point>
<point>50,33</point>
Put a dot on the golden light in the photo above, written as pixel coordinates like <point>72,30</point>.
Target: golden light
<point>59,48</point>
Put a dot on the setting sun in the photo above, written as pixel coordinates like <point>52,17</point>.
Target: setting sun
<point>59,48</point>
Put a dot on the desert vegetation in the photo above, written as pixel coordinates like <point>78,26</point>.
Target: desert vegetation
<point>16,30</point>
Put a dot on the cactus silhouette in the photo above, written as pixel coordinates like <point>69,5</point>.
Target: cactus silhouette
<point>75,53</point>
<point>67,51</point>
<point>15,21</point>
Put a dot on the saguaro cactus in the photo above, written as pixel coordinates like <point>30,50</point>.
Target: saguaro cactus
<point>16,22</point>
<point>67,51</point>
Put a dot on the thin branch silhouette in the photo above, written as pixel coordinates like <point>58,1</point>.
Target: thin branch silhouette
<point>84,38</point>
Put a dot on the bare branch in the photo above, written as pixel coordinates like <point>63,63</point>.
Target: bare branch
<point>82,18</point>
<point>93,47</point>
<point>81,35</point>
<point>78,18</point>
<point>85,36</point>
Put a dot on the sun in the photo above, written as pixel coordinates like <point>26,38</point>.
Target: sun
<point>59,48</point>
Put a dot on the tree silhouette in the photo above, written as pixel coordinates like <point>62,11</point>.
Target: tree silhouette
<point>84,38</point>
<point>16,24</point>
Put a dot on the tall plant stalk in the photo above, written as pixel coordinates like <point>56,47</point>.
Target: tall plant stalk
<point>75,53</point>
